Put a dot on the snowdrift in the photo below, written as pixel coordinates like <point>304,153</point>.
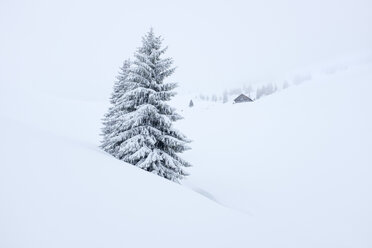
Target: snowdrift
<point>290,170</point>
<point>58,189</point>
<point>298,162</point>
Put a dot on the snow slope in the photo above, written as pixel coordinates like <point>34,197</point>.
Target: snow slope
<point>57,189</point>
<point>290,170</point>
<point>298,162</point>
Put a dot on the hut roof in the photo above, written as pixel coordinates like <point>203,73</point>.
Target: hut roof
<point>242,98</point>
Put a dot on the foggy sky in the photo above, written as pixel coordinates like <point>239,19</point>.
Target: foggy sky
<point>74,48</point>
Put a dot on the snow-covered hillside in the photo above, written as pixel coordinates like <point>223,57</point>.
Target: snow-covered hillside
<point>290,170</point>
<point>297,162</point>
<point>58,189</point>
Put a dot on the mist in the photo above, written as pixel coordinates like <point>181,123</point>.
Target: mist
<point>74,48</point>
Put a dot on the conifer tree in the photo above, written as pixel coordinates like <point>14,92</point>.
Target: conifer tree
<point>225,97</point>
<point>140,130</point>
<point>111,119</point>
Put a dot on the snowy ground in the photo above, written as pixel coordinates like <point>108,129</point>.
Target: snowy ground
<point>290,170</point>
<point>297,162</point>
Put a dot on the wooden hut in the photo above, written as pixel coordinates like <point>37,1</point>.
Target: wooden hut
<point>242,98</point>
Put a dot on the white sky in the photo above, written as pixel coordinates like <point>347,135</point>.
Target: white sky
<point>74,48</point>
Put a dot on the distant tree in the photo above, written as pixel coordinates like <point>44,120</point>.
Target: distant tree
<point>235,91</point>
<point>275,88</point>
<point>247,90</point>
<point>140,131</point>
<point>266,90</point>
<point>285,85</point>
<point>260,92</point>
<point>214,98</point>
<point>191,104</point>
<point>299,79</point>
<point>225,97</point>
<point>269,89</point>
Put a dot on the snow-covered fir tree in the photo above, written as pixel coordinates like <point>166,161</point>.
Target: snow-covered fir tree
<point>225,97</point>
<point>138,127</point>
<point>111,120</point>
